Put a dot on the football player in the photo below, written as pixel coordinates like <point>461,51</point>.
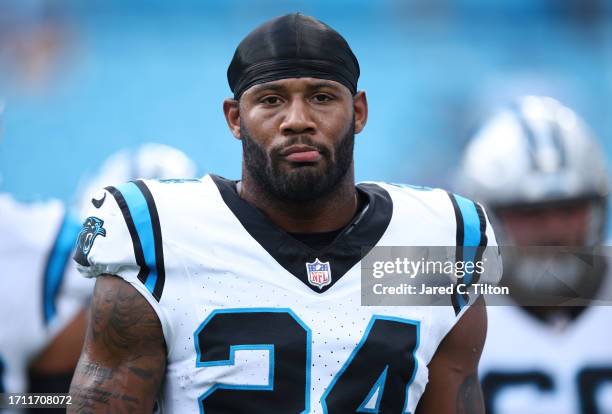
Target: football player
<point>224,296</point>
<point>536,165</point>
<point>43,299</point>
<point>42,303</point>
<point>45,318</point>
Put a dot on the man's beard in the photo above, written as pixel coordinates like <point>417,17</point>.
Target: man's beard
<point>305,183</point>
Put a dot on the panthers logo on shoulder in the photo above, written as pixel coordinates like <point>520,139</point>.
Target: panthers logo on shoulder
<point>92,228</point>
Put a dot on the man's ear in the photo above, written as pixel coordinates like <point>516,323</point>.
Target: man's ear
<point>231,110</point>
<point>360,105</point>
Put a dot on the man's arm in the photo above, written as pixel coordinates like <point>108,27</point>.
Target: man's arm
<point>124,357</point>
<point>453,372</point>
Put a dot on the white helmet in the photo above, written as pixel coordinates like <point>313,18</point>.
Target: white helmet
<point>539,153</point>
<point>536,151</point>
<point>147,161</point>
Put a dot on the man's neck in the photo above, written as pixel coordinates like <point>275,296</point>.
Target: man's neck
<point>328,213</point>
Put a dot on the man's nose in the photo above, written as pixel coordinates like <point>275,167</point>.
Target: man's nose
<point>298,119</point>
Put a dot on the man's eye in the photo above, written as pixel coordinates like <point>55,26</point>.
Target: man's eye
<point>322,98</point>
<point>270,100</point>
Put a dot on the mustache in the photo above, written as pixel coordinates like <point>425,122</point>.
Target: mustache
<point>299,139</point>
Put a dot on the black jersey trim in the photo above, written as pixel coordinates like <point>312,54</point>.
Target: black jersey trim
<point>483,239</point>
<point>459,237</point>
<point>127,216</point>
<point>347,249</point>
<point>458,300</point>
<point>157,236</point>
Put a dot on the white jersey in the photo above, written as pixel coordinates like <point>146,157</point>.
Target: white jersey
<point>42,291</point>
<point>246,329</point>
<point>529,366</point>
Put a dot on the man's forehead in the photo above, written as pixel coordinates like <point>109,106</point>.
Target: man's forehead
<point>296,85</point>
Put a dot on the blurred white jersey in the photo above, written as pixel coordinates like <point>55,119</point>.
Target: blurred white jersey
<point>256,321</point>
<point>531,367</point>
<point>42,291</point>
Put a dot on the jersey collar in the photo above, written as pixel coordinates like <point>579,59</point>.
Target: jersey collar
<point>329,264</point>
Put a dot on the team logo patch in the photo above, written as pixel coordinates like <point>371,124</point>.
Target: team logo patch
<point>319,273</point>
<point>92,228</point>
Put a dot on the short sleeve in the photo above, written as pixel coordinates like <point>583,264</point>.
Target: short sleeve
<point>104,244</point>
<point>121,236</point>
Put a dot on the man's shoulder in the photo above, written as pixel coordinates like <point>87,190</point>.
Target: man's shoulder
<point>159,188</point>
<point>148,194</point>
<point>415,197</point>
<point>408,190</point>
<point>464,211</point>
<point>141,214</point>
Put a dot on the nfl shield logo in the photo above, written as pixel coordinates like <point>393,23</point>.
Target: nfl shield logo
<point>319,273</point>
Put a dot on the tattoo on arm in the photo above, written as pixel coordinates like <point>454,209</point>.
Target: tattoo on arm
<point>469,396</point>
<point>124,358</point>
<point>94,371</point>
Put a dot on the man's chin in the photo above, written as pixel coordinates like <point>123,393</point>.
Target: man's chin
<point>303,172</point>
<point>300,186</point>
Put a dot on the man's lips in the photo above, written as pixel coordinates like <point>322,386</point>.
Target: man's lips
<point>301,153</point>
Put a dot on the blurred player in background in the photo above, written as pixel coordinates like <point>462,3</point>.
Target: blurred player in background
<point>43,297</point>
<point>44,300</point>
<point>536,166</point>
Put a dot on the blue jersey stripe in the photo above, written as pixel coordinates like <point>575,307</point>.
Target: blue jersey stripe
<point>471,241</point>
<point>461,301</point>
<point>471,222</point>
<point>141,217</point>
<point>57,263</point>
<point>471,231</point>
